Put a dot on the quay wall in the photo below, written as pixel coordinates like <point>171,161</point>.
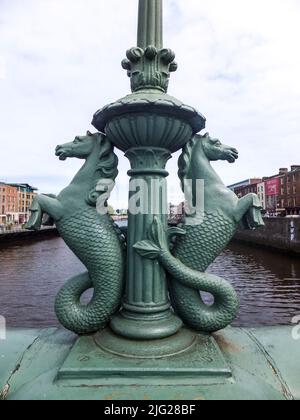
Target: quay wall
<point>20,234</point>
<point>282,234</point>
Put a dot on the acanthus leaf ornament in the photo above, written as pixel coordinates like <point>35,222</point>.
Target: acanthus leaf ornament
<point>149,68</point>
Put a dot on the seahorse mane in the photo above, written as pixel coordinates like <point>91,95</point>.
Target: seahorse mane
<point>184,162</point>
<point>107,168</point>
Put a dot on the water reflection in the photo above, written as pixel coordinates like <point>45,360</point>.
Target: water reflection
<point>268,284</point>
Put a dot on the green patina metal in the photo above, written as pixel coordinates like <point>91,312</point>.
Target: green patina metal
<point>253,364</point>
<point>92,237</point>
<point>154,339</point>
<point>204,236</point>
<point>148,125</point>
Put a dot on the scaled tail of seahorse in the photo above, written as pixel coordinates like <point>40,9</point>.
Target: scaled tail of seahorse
<point>183,279</point>
<point>79,318</point>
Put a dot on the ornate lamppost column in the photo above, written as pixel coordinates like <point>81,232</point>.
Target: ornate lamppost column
<point>144,338</point>
<point>146,308</point>
<point>148,126</point>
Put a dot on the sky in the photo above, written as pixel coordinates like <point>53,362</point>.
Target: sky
<point>239,65</point>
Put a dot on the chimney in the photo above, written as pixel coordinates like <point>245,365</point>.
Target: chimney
<point>283,171</point>
<point>295,168</point>
<point>254,181</point>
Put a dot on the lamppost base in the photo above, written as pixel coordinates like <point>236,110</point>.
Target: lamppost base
<point>110,360</point>
<point>138,327</point>
<point>177,344</point>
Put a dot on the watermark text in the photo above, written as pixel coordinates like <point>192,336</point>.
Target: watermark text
<point>2,328</point>
<point>149,197</point>
<point>296,329</point>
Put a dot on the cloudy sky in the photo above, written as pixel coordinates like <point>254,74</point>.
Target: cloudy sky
<point>239,64</point>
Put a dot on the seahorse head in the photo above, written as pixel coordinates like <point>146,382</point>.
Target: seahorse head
<point>81,147</point>
<point>106,168</point>
<point>203,147</point>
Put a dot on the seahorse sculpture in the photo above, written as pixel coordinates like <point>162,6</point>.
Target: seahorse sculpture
<point>203,236</point>
<point>80,216</point>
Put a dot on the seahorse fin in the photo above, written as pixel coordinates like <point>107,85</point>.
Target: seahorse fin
<point>35,221</point>
<point>48,221</point>
<point>147,249</point>
<point>175,231</point>
<point>253,218</point>
<point>157,234</point>
<point>158,240</point>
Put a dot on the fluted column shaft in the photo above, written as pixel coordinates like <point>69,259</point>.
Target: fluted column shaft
<point>150,26</point>
<point>146,310</point>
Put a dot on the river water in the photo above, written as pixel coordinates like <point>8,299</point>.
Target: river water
<point>31,274</point>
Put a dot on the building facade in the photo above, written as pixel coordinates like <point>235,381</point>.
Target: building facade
<point>240,184</point>
<point>176,213</point>
<point>272,188</point>
<point>278,194</point>
<point>289,194</point>
<point>15,203</point>
<point>261,192</point>
<point>8,204</point>
<point>26,194</point>
<point>246,187</point>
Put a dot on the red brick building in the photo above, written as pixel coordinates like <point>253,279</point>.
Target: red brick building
<point>250,187</point>
<point>289,194</point>
<point>279,194</point>
<point>9,203</point>
<point>26,194</point>
<point>15,203</point>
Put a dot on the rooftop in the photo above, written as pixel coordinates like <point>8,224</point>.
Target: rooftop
<point>21,185</point>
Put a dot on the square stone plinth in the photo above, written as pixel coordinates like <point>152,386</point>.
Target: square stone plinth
<point>202,362</point>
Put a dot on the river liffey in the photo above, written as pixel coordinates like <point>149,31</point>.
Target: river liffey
<point>32,272</point>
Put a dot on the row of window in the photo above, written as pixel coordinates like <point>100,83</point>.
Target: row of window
<point>289,190</point>
<point>12,204</point>
<point>9,199</point>
<point>291,202</point>
<point>291,178</point>
<point>9,209</point>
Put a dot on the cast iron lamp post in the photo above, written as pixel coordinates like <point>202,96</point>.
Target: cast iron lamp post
<point>148,126</point>
<point>146,346</point>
